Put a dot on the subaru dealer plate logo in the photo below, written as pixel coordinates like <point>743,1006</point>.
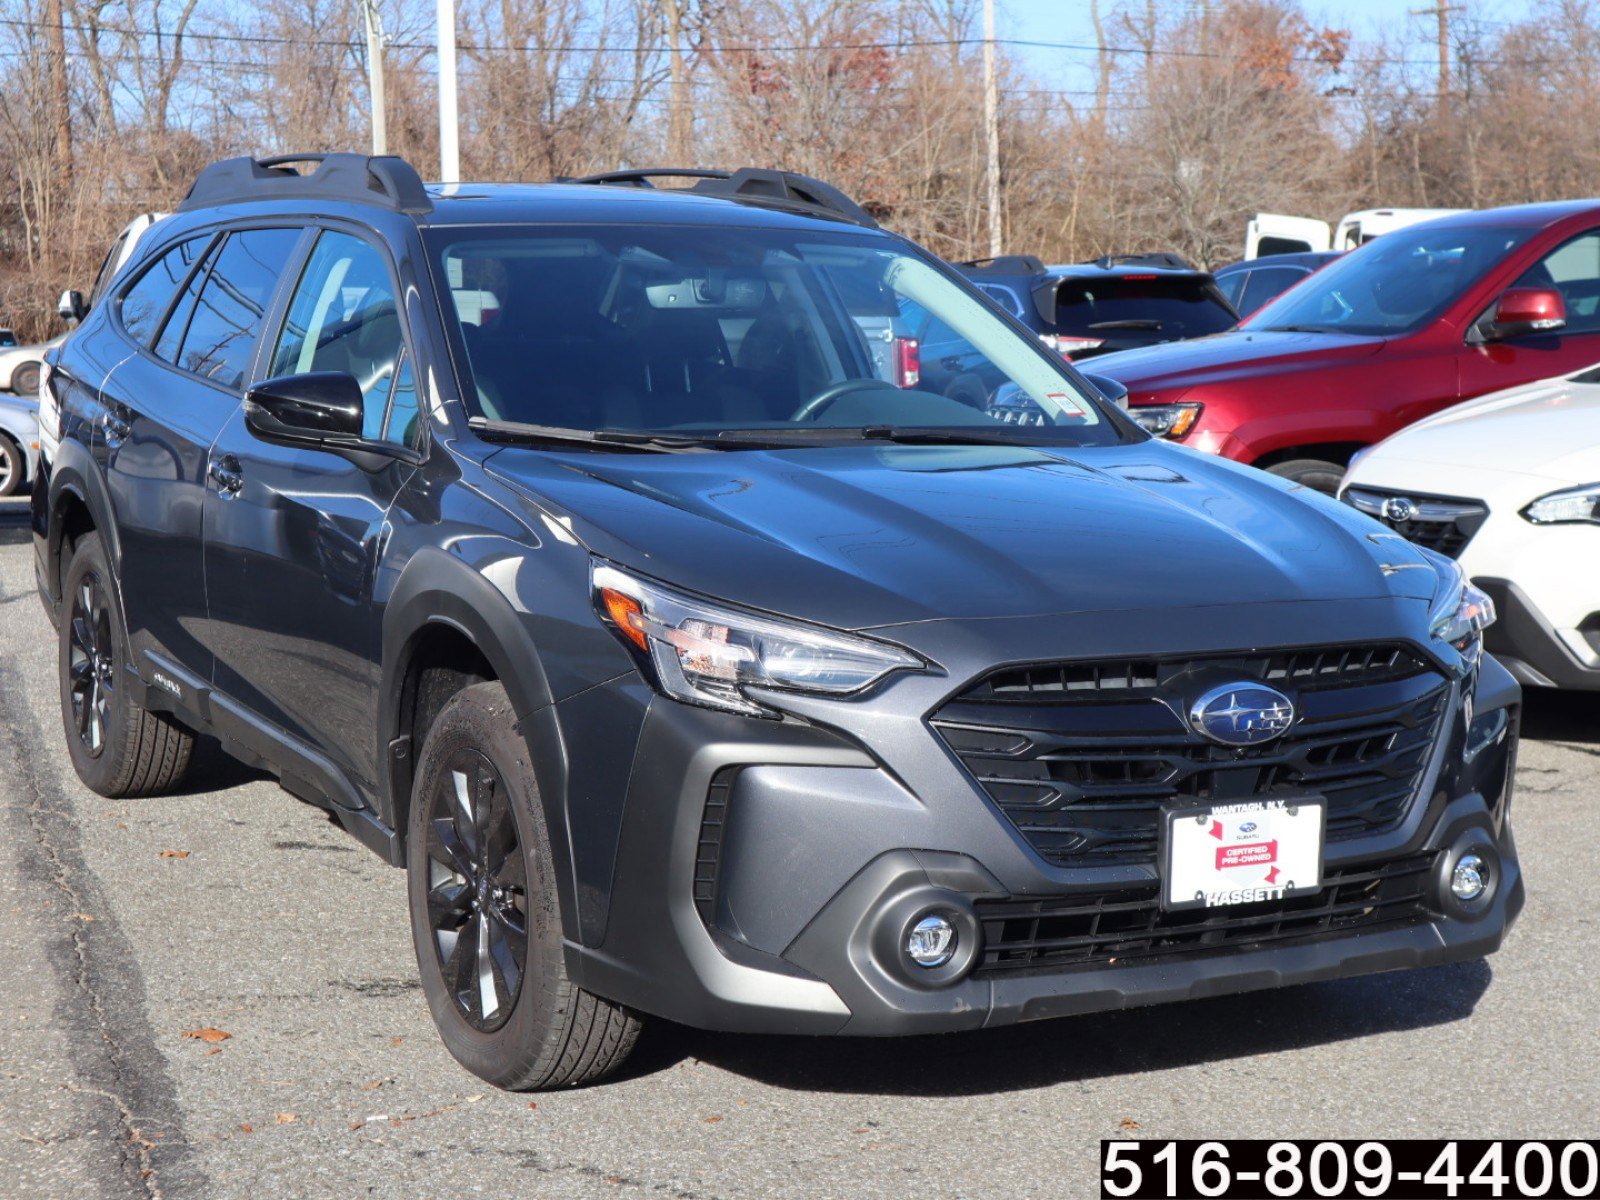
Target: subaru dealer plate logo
<point>1242,714</point>
<point>1399,508</point>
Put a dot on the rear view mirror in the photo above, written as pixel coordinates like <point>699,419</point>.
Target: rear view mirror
<point>322,408</point>
<point>1521,311</point>
<point>72,306</point>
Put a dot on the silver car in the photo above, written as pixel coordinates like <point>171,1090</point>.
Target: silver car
<point>19,442</point>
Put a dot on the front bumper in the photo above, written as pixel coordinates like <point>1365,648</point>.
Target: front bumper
<point>766,871</point>
<point>1531,648</point>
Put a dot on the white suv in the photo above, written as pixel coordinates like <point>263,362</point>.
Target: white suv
<point>1508,485</point>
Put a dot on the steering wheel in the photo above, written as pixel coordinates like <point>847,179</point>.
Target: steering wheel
<point>813,408</point>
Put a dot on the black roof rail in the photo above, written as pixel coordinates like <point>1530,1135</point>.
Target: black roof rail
<point>1156,258</point>
<point>379,179</point>
<point>1006,264</point>
<point>782,188</point>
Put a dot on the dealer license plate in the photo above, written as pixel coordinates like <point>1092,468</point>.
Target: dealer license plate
<point>1241,853</point>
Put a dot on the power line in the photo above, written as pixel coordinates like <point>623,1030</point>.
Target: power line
<point>806,48</point>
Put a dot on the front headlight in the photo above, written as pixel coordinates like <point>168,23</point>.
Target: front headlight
<point>1460,611</point>
<point>707,653</point>
<point>1571,505</point>
<point>1166,420</point>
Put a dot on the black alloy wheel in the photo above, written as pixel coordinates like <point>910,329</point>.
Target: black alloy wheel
<point>477,890</point>
<point>91,663</point>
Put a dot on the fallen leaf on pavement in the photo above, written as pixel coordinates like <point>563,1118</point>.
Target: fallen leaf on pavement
<point>712,1120</point>
<point>208,1034</point>
<point>395,1045</point>
<point>373,1086</point>
<point>355,1125</point>
<point>82,917</point>
<point>533,1104</point>
<point>213,1050</point>
<point>284,1118</point>
<point>245,1129</point>
<point>1127,1125</point>
<point>174,854</point>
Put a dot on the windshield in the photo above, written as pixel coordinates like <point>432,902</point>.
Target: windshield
<point>697,332</point>
<point>1393,284</point>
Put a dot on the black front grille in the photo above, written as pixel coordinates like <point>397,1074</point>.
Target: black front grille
<point>1084,757</point>
<point>1129,925</point>
<point>1441,523</point>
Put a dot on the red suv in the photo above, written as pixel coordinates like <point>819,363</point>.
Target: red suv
<point>1408,324</point>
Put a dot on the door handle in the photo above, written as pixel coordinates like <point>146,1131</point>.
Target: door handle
<point>114,427</point>
<point>226,473</point>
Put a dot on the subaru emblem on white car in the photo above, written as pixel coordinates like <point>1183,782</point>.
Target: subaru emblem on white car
<point>1399,508</point>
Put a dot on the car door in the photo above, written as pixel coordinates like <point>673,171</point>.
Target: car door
<point>294,535</point>
<point>1573,269</point>
<point>151,432</point>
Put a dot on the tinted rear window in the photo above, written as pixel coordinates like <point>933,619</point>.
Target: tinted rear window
<point>1169,308</point>
<point>143,305</point>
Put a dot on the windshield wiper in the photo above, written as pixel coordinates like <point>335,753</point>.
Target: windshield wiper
<point>1128,323</point>
<point>495,430</point>
<point>1295,329</point>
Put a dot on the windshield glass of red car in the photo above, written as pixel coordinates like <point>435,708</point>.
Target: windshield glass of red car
<point>1394,284</point>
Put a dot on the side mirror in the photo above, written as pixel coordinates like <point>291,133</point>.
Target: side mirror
<point>322,408</point>
<point>72,306</point>
<point>1521,311</point>
<point>1110,389</point>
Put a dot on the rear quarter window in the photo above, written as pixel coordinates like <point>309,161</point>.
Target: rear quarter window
<point>145,302</point>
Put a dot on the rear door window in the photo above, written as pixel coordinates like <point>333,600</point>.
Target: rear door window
<point>1172,308</point>
<point>143,305</point>
<point>227,317</point>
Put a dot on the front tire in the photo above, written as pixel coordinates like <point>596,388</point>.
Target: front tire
<point>118,748</point>
<point>25,381</point>
<point>1312,473</point>
<point>484,915</point>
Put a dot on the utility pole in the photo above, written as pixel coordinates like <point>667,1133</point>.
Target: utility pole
<point>991,126</point>
<point>679,127</point>
<point>380,117</point>
<point>60,101</point>
<point>449,125</point>
<point>1441,11</point>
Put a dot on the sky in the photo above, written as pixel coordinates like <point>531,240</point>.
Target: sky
<point>1068,21</point>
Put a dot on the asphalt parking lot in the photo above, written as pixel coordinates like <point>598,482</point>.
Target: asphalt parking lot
<point>131,927</point>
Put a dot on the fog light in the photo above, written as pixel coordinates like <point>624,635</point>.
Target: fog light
<point>1469,879</point>
<point>931,942</point>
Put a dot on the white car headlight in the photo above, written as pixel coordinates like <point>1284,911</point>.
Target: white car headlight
<point>1460,612</point>
<point>707,653</point>
<point>1571,505</point>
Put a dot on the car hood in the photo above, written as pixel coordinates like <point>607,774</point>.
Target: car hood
<point>1223,357</point>
<point>1550,429</point>
<point>870,535</point>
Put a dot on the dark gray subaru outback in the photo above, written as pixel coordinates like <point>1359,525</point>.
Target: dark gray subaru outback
<point>579,548</point>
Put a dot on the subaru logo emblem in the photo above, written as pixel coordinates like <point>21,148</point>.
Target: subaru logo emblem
<point>1399,508</point>
<point>1242,714</point>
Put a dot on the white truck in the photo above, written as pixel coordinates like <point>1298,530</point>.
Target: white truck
<point>1275,233</point>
